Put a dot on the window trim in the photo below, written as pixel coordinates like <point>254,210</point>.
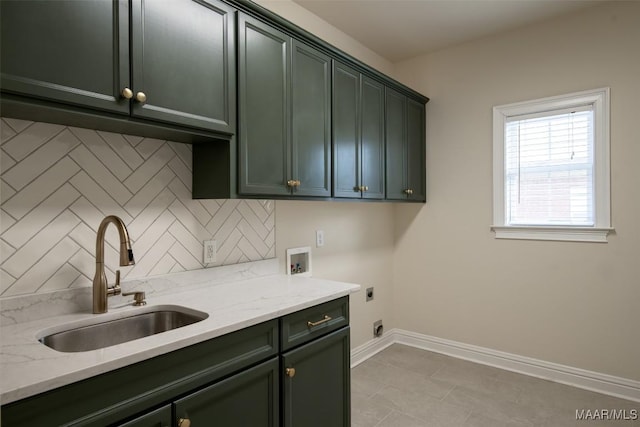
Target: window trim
<point>599,99</point>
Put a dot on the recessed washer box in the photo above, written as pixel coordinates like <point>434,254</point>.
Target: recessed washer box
<point>299,261</point>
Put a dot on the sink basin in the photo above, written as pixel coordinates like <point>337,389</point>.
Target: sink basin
<point>118,331</point>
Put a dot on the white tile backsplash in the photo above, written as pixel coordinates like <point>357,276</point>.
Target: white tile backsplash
<point>58,183</point>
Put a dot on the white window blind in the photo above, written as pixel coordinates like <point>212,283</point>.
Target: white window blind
<point>549,168</point>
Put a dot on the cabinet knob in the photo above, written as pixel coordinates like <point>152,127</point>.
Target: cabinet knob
<point>141,97</point>
<point>184,422</point>
<point>298,183</point>
<point>291,183</point>
<point>408,191</point>
<point>127,93</point>
<point>366,188</point>
<point>290,372</point>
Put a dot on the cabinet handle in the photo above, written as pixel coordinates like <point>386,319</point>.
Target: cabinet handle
<point>184,422</point>
<point>325,319</point>
<point>290,372</point>
<point>127,93</point>
<point>297,183</point>
<point>408,191</point>
<point>291,183</point>
<point>366,188</point>
<point>141,97</point>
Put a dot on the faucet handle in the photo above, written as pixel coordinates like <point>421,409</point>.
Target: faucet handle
<point>138,297</point>
<point>115,290</point>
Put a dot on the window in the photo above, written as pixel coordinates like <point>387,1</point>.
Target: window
<point>551,168</point>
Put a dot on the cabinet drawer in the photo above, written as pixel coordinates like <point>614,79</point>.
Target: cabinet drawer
<point>303,326</point>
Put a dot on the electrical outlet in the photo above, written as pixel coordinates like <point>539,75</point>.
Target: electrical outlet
<point>209,254</point>
<point>369,292</point>
<point>319,238</point>
<point>378,329</point>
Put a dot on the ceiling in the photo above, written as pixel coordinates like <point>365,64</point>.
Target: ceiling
<point>402,29</point>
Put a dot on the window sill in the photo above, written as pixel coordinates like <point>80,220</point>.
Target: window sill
<point>562,234</point>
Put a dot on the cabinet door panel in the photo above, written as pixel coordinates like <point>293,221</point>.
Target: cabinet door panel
<point>396,162</point>
<point>416,150</point>
<point>250,398</point>
<point>346,131</point>
<point>69,51</point>
<point>264,70</point>
<point>188,75</point>
<point>372,139</point>
<point>311,143</point>
<point>318,395</point>
<point>159,418</point>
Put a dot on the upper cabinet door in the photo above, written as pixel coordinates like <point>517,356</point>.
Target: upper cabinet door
<point>416,150</point>
<point>346,131</point>
<point>396,126</point>
<point>372,139</point>
<point>264,75</point>
<point>183,62</point>
<point>311,138</point>
<point>69,51</point>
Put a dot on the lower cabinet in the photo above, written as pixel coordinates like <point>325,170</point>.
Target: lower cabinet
<point>159,418</point>
<point>236,380</point>
<point>249,398</point>
<point>316,391</point>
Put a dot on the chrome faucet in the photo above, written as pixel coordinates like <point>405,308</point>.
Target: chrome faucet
<point>101,289</point>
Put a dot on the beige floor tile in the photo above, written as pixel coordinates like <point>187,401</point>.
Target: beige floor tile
<point>404,386</point>
<point>398,419</point>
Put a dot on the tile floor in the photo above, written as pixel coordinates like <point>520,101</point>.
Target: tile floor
<point>407,387</point>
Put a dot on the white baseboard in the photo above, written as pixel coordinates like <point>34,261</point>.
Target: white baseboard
<point>589,380</point>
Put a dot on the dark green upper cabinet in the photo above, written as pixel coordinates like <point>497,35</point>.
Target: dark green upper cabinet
<point>180,69</point>
<point>264,70</point>
<point>285,117</point>
<point>358,134</point>
<point>311,131</point>
<point>183,60</point>
<point>67,51</point>
<point>405,153</point>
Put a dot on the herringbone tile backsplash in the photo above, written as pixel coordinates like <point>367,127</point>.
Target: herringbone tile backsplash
<point>58,183</point>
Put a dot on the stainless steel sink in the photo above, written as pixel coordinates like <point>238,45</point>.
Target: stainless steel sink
<point>118,331</point>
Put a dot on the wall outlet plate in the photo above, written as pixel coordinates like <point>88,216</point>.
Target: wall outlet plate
<point>378,329</point>
<point>369,293</point>
<point>209,251</point>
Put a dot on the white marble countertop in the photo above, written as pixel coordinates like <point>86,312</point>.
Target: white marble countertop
<point>28,367</point>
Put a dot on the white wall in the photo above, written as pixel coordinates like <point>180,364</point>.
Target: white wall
<point>358,249</point>
<point>576,304</point>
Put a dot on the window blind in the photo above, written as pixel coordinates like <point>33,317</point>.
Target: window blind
<point>549,168</point>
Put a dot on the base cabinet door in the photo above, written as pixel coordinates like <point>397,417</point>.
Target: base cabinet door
<point>249,398</point>
<point>316,383</point>
<point>159,418</point>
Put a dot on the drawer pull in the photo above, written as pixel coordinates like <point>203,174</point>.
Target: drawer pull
<point>290,372</point>
<point>325,319</point>
<point>184,422</point>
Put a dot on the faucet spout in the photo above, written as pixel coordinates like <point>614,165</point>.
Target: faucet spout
<point>101,288</point>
